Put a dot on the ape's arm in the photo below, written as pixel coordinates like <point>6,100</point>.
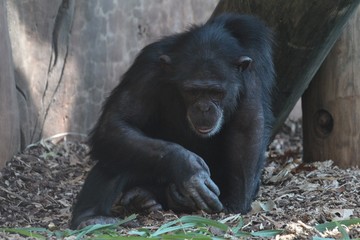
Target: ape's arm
<point>245,156</point>
<point>119,144</point>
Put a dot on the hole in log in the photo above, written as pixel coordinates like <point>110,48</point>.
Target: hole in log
<point>324,123</point>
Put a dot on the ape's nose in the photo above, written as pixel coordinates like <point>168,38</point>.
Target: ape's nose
<point>203,106</point>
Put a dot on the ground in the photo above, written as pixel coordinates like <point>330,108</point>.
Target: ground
<point>38,187</point>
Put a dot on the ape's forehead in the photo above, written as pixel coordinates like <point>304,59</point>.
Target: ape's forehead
<point>201,66</point>
<point>205,72</point>
<point>211,40</point>
<point>207,50</point>
<point>206,58</point>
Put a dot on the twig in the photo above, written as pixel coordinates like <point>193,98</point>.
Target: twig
<point>310,228</point>
<point>14,194</point>
<point>268,219</point>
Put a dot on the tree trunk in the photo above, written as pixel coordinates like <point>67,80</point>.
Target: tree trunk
<point>305,31</point>
<point>9,114</point>
<point>331,104</point>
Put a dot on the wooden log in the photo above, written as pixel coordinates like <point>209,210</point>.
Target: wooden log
<point>9,112</point>
<point>331,104</point>
<point>305,31</point>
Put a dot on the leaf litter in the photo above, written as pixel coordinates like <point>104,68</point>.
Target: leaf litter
<point>39,186</point>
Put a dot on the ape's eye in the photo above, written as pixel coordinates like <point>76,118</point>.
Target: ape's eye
<point>191,94</point>
<point>191,91</point>
<point>217,94</point>
<point>243,63</point>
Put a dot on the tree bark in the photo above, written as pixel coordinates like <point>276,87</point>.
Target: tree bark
<point>9,112</point>
<point>331,104</point>
<point>305,31</point>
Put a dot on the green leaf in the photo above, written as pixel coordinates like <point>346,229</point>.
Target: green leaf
<point>331,225</point>
<point>343,231</point>
<point>172,229</point>
<point>242,234</point>
<point>25,232</point>
<point>267,233</point>
<point>168,224</point>
<point>186,236</point>
<point>127,219</point>
<point>320,238</point>
<point>107,237</point>
<point>93,228</point>
<point>238,226</point>
<point>201,220</point>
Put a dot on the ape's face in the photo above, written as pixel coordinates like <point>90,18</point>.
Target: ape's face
<point>204,101</point>
<point>211,96</point>
<point>208,75</point>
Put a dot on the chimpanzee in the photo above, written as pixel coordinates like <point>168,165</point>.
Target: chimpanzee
<point>192,104</point>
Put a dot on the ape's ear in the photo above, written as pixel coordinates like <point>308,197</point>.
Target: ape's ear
<point>165,62</point>
<point>165,59</point>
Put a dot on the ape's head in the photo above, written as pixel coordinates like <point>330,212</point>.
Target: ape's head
<point>208,92</point>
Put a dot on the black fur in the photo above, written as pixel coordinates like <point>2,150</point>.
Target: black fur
<point>192,103</point>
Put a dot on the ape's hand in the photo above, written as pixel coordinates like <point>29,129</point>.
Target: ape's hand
<point>192,188</point>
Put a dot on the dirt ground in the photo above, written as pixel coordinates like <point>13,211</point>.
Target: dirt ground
<point>38,187</point>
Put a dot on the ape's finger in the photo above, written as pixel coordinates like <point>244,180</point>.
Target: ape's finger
<point>212,186</point>
<point>181,198</point>
<point>210,199</point>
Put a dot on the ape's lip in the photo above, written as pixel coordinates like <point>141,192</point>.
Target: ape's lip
<point>204,130</point>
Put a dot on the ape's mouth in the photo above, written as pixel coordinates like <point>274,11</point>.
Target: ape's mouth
<point>204,130</point>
